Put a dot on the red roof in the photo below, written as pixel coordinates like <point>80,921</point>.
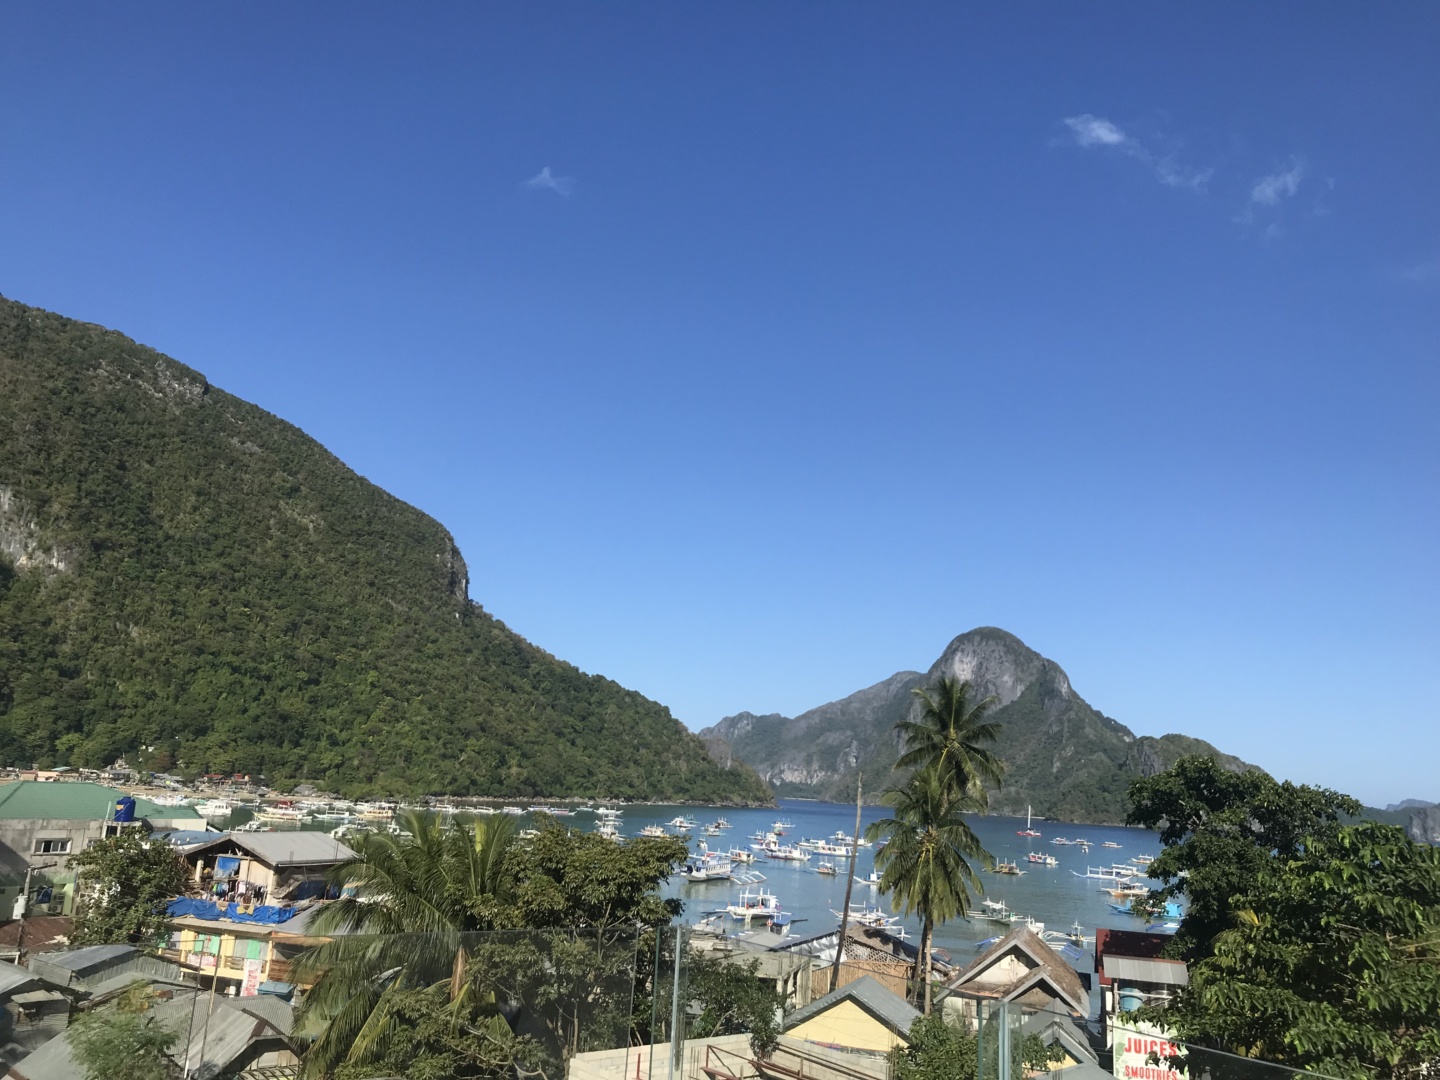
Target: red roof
<point>1126,943</point>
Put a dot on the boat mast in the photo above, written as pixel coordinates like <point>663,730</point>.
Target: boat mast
<point>849,885</point>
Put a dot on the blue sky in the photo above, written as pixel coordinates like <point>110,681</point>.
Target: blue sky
<point>753,351</point>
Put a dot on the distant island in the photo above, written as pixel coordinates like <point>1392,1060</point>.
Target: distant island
<point>196,585</point>
<point>1066,760</point>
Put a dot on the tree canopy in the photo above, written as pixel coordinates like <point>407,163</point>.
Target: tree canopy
<point>201,587</point>
<point>1311,943</point>
<point>124,885</point>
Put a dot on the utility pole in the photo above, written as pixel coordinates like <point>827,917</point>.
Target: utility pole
<point>849,885</point>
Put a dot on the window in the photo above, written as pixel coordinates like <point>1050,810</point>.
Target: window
<point>54,846</point>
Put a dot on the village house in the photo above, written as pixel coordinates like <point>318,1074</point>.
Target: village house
<point>1019,968</point>
<point>1131,972</point>
<point>42,825</point>
<point>258,893</point>
<point>860,1017</point>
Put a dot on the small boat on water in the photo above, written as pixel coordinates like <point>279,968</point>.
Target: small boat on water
<point>874,917</point>
<point>994,911</point>
<point>654,830</point>
<point>514,811</point>
<point>759,905</point>
<point>740,855</point>
<point>1143,860</point>
<point>1061,840</point>
<point>827,868</point>
<point>708,866</point>
<point>787,853</point>
<point>1043,860</point>
<point>1107,873</point>
<point>1011,868</point>
<point>1109,844</point>
<point>215,809</point>
<point>721,823</point>
<point>280,812</point>
<point>1027,831</point>
<point>781,827</point>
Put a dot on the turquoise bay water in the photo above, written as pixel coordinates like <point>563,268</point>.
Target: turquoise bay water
<point>1051,894</point>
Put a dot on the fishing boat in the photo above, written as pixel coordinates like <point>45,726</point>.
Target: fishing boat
<point>994,911</point>
<point>1043,860</point>
<point>654,830</point>
<point>759,905</point>
<point>280,812</point>
<point>827,868</point>
<point>708,866</point>
<point>1027,831</point>
<point>787,853</point>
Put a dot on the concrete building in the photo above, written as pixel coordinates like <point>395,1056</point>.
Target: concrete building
<point>1131,973</point>
<point>43,824</point>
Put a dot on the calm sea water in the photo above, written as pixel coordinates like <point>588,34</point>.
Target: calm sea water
<point>1053,895</point>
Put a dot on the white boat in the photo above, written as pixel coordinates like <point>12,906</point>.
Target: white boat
<point>760,905</point>
<point>781,827</point>
<point>654,830</point>
<point>873,880</point>
<point>1107,873</point>
<point>876,918</point>
<point>1109,844</point>
<point>708,866</point>
<point>607,828</point>
<point>1043,860</point>
<point>994,911</point>
<point>740,855</point>
<point>216,809</point>
<point>280,813</point>
<point>513,811</point>
<point>825,847</point>
<point>681,822</point>
<point>787,853</point>
<point>827,868</point>
<point>721,823</point>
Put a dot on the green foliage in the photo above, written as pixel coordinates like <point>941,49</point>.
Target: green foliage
<point>202,578</point>
<point>1219,831</point>
<point>925,864</point>
<point>124,1040</point>
<point>950,739</point>
<point>941,1051</point>
<point>1332,962</point>
<point>548,924</point>
<point>125,883</point>
<point>733,1000</point>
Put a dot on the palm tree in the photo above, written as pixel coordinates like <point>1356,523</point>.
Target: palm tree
<point>414,898</point>
<point>925,862</point>
<point>949,736</point>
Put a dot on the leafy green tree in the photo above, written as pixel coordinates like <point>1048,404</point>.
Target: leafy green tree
<point>410,900</point>
<point>1219,830</point>
<point>124,1039</point>
<point>950,738</point>
<point>124,885</point>
<point>925,864</point>
<point>733,1000</point>
<point>1332,961</point>
<point>942,1051</point>
<point>480,920</point>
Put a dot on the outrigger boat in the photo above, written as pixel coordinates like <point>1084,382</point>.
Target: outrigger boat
<point>827,868</point>
<point>1011,868</point>
<point>760,905</point>
<point>1044,860</point>
<point>994,911</point>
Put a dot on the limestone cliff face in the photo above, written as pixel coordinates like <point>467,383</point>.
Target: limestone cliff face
<point>1424,824</point>
<point>1065,759</point>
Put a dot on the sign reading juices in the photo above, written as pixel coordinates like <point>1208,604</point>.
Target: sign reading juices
<point>1134,1043</point>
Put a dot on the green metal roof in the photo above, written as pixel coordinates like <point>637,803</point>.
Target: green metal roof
<point>67,800</point>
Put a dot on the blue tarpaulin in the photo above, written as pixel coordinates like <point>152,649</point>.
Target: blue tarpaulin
<point>227,866</point>
<point>208,909</point>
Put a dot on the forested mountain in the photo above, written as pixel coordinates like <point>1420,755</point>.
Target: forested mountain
<point>184,572</point>
<point>1066,759</point>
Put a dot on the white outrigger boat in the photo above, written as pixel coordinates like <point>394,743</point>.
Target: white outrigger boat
<point>708,866</point>
<point>758,905</point>
<point>994,911</point>
<point>1109,873</point>
<point>876,918</point>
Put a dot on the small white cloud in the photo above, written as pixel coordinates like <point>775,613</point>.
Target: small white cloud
<point>1091,130</point>
<point>545,180</point>
<point>1270,190</point>
<point>1088,130</point>
<point>1426,272</point>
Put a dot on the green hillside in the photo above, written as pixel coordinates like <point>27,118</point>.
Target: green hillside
<point>182,571</point>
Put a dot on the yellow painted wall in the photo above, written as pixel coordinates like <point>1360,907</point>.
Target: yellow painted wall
<point>847,1024</point>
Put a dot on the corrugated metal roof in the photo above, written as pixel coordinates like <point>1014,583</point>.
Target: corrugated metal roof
<point>74,801</point>
<point>893,1011</point>
<point>89,957</point>
<point>231,1028</point>
<point>287,848</point>
<point>14,979</point>
<point>1159,972</point>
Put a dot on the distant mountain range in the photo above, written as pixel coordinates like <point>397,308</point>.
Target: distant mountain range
<point>1066,760</point>
<point>191,582</point>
